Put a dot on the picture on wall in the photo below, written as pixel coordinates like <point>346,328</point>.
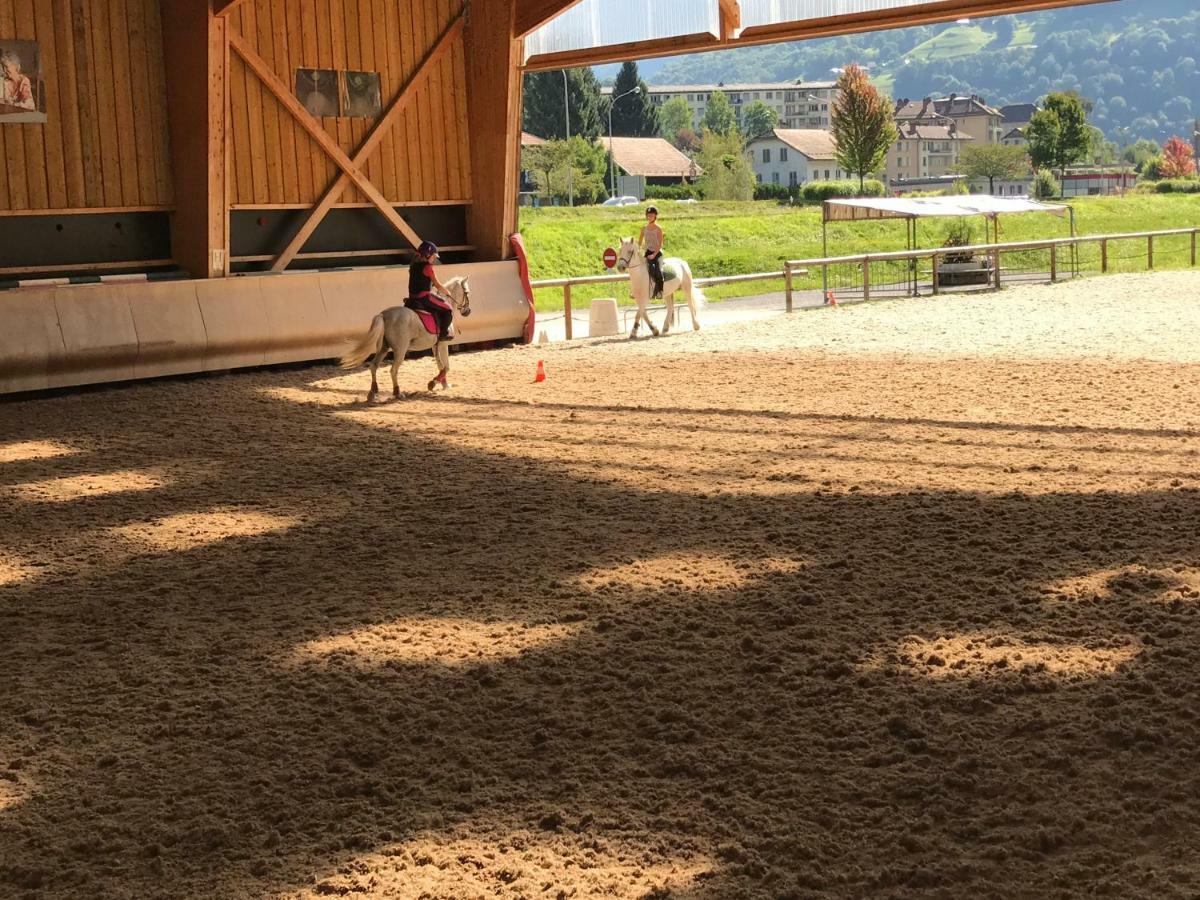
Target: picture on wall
<point>362,96</point>
<point>22,88</point>
<point>317,89</point>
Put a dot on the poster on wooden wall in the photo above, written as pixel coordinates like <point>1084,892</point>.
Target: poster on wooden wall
<point>317,89</point>
<point>362,96</point>
<point>22,89</point>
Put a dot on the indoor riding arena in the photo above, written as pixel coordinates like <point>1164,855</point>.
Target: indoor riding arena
<point>898,599</point>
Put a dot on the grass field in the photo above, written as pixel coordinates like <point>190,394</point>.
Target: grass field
<point>735,238</point>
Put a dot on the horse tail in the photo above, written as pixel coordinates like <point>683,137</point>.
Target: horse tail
<point>368,346</point>
<point>691,291</point>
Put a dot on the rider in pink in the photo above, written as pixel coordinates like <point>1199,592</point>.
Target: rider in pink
<point>421,280</point>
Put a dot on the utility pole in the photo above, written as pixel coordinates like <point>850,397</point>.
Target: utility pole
<point>570,161</point>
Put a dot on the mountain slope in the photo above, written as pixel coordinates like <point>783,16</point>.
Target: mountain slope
<point>1136,59</point>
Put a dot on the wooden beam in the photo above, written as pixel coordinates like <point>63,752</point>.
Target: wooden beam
<point>224,7</point>
<point>830,26</point>
<point>386,121</point>
<point>194,64</point>
<point>532,14</point>
<point>493,80</point>
<point>281,93</point>
<point>731,18</point>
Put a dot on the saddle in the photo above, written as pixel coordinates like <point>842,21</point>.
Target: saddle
<point>428,319</point>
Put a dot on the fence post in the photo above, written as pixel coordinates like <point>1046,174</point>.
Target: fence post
<point>935,266</point>
<point>787,286</point>
<point>1104,256</point>
<point>567,309</point>
<point>1194,246</point>
<point>866,269</point>
<point>1150,251</point>
<point>1053,262</point>
<point>996,267</point>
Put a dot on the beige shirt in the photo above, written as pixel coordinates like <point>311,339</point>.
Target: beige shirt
<point>652,238</point>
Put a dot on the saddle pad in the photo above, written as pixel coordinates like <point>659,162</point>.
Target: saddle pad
<point>670,273</point>
<point>426,317</point>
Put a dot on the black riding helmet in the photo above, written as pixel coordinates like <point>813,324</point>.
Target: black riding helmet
<point>652,209</point>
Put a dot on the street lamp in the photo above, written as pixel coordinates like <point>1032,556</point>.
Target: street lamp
<point>612,178</point>
<point>570,162</point>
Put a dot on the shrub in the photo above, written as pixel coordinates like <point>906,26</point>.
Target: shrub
<point>1177,186</point>
<point>960,233</point>
<point>1045,185</point>
<point>671,192</point>
<point>770,191</point>
<point>820,191</point>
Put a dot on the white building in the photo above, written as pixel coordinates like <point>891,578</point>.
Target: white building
<point>799,104</point>
<point>792,156</point>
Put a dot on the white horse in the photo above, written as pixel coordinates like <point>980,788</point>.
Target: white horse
<point>400,329</point>
<point>641,284</point>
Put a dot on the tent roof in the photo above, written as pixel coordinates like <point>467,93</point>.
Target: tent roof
<point>921,207</point>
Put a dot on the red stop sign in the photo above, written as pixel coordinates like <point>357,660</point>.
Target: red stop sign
<point>610,257</point>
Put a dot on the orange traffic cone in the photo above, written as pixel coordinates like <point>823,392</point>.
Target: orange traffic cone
<point>830,299</point>
<point>541,372</point>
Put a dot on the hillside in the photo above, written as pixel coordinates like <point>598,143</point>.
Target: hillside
<point>1136,59</point>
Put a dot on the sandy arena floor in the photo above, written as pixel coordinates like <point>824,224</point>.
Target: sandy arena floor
<point>899,600</point>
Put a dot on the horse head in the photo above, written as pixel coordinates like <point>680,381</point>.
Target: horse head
<point>627,252</point>
<point>460,294</point>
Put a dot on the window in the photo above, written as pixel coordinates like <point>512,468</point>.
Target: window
<point>756,97</point>
<point>783,154</point>
<point>792,179</point>
<point>691,97</point>
<point>766,154</point>
<point>775,178</point>
<point>826,174</point>
<point>770,95</point>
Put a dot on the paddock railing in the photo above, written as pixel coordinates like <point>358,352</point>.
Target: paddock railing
<point>567,283</point>
<point>989,266</point>
<point>935,269</point>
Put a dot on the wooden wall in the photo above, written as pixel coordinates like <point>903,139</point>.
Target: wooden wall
<point>104,145</point>
<point>425,157</point>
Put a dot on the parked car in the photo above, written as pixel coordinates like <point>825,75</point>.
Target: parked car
<point>621,201</point>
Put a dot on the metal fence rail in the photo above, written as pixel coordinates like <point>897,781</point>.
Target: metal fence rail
<point>908,272</point>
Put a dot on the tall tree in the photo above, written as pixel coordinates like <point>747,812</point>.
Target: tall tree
<point>634,115</point>
<point>758,119</point>
<point>992,161</point>
<point>719,116</point>
<point>673,117</point>
<point>862,124</point>
<point>543,113</point>
<point>727,173</point>
<point>1177,159</point>
<point>1058,134</point>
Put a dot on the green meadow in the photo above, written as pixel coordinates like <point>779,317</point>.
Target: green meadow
<point>729,238</point>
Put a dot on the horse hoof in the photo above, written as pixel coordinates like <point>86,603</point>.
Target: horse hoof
<point>432,384</point>
<point>695,326</point>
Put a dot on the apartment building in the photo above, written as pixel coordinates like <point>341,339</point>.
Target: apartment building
<point>924,151</point>
<point>799,104</point>
<point>794,156</point>
<point>971,114</point>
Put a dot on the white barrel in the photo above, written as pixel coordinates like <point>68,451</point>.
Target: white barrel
<point>602,318</point>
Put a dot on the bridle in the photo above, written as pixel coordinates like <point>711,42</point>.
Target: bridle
<point>465,307</point>
<point>627,262</point>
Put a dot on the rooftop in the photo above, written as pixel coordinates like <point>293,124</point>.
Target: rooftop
<point>953,106</point>
<point>741,86</point>
<point>651,157</point>
<point>812,142</point>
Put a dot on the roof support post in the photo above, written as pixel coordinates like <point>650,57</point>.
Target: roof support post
<point>196,60</point>
<point>493,58</point>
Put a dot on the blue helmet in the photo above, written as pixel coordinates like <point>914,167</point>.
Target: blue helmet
<point>427,248</point>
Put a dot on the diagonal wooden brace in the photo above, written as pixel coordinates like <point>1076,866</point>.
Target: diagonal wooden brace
<point>281,93</point>
<point>370,142</point>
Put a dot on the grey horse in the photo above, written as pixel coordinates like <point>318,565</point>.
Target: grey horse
<point>400,329</point>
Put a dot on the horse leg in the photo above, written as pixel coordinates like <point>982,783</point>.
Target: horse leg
<point>375,361</point>
<point>441,359</point>
<point>670,317</point>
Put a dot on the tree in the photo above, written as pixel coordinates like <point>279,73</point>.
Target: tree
<point>862,124</point>
<point>543,114</point>
<point>727,173</point>
<point>992,161</point>
<point>1058,133</point>
<point>673,117</point>
<point>1139,152</point>
<point>758,119</point>
<point>1177,161</point>
<point>635,115</point>
<point>719,116</point>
